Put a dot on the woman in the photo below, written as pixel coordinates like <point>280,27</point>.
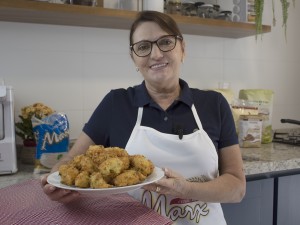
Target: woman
<point>188,132</point>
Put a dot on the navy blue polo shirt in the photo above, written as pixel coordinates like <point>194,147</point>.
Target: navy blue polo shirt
<point>113,120</point>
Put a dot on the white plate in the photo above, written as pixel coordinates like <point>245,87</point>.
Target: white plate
<point>156,175</point>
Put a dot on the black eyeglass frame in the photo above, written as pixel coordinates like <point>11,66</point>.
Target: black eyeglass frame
<point>155,42</point>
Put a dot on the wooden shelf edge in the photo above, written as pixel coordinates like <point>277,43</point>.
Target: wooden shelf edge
<point>75,15</point>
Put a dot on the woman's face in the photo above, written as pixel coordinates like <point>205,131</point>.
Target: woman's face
<point>159,69</point>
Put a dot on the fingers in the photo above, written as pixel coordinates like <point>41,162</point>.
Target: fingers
<point>57,194</point>
<point>158,189</point>
<point>64,196</point>
<point>171,174</point>
<point>48,189</point>
<point>153,187</point>
<point>150,187</point>
<point>44,180</point>
<point>60,195</point>
<point>72,196</point>
<point>172,183</point>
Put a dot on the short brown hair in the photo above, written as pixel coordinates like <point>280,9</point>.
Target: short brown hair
<point>166,23</point>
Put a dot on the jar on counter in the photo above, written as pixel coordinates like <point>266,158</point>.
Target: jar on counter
<point>224,15</point>
<point>173,7</point>
<point>208,10</point>
<point>198,9</point>
<point>188,9</point>
<point>82,2</point>
<point>155,5</point>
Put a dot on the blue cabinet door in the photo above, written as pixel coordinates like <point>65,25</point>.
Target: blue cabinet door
<point>288,210</point>
<point>257,206</point>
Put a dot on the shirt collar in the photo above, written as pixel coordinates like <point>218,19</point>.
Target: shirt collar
<point>142,97</point>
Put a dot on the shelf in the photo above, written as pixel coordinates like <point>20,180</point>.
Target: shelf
<point>86,16</point>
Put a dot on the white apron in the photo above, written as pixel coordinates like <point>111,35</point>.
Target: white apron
<point>194,156</point>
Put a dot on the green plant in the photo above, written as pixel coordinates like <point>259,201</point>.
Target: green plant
<point>259,8</point>
<point>285,5</point>
<point>24,126</point>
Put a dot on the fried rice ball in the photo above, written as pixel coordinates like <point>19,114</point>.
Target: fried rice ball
<point>96,153</point>
<point>110,168</point>
<point>84,163</point>
<point>126,162</point>
<point>82,180</point>
<point>128,177</point>
<point>141,164</point>
<point>121,154</point>
<point>97,181</point>
<point>68,174</point>
<point>116,152</point>
<point>63,168</point>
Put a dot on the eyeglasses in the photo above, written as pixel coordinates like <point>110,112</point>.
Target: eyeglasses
<point>165,43</point>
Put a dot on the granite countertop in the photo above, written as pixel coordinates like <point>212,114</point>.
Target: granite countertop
<point>269,158</point>
<point>25,172</point>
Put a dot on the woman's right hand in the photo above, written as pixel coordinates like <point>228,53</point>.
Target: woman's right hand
<point>58,194</point>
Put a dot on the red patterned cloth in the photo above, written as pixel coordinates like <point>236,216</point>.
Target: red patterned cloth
<point>26,204</point>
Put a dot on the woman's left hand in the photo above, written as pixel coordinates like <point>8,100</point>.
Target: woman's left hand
<point>171,184</point>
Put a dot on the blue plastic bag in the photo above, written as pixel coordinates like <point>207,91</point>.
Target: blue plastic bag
<point>52,138</point>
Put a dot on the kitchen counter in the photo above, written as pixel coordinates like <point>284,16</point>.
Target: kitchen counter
<point>270,160</point>
<point>25,172</point>
<point>272,196</point>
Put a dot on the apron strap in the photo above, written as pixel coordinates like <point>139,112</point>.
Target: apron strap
<point>197,117</point>
<point>139,116</point>
<point>136,126</point>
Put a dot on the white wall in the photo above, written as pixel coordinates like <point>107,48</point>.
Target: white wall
<point>72,68</point>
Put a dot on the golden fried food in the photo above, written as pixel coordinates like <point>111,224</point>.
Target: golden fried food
<point>83,162</point>
<point>68,175</point>
<point>62,169</point>
<point>102,167</point>
<point>126,162</point>
<point>111,168</point>
<point>121,154</point>
<point>99,154</point>
<point>142,164</point>
<point>116,151</point>
<point>83,179</point>
<point>129,177</point>
<point>97,181</point>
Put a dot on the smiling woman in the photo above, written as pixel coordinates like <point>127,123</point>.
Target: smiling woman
<point>189,133</point>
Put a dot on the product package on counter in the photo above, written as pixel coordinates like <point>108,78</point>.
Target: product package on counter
<point>250,131</point>
<point>52,139</point>
<point>264,99</point>
<point>241,107</point>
